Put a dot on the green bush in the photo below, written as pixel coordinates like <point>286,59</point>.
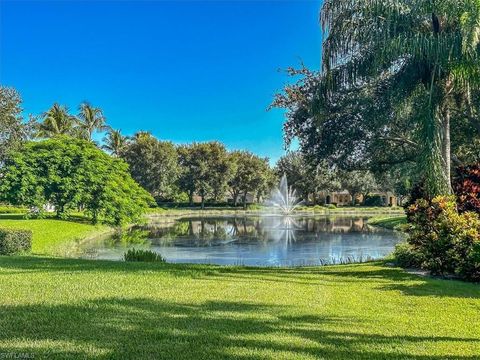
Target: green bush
<point>449,242</point>
<point>142,255</point>
<point>373,200</point>
<point>331,206</point>
<point>15,241</point>
<point>406,256</point>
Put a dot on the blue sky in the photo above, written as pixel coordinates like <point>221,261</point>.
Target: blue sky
<point>186,71</point>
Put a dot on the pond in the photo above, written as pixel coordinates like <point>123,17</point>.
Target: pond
<point>257,241</point>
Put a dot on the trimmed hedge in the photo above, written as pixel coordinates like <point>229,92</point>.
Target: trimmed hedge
<point>15,241</point>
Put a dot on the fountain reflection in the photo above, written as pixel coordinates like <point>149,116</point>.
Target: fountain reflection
<point>261,240</point>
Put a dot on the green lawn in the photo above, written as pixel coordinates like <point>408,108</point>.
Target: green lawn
<point>52,236</point>
<point>388,222</point>
<point>56,308</point>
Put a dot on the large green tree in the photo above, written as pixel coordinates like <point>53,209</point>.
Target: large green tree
<point>433,44</point>
<point>205,170</point>
<point>13,129</point>
<point>399,76</point>
<point>358,183</point>
<point>153,164</point>
<point>70,173</point>
<point>305,177</point>
<point>251,174</point>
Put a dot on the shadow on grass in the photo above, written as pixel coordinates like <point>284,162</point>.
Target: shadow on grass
<point>373,274</point>
<point>137,328</point>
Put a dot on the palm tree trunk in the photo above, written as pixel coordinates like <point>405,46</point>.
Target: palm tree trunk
<point>446,148</point>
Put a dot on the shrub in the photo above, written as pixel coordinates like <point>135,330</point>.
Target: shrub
<point>15,241</point>
<point>448,241</point>
<point>466,185</point>
<point>416,193</point>
<point>331,206</point>
<point>142,255</point>
<point>406,256</point>
<point>373,200</point>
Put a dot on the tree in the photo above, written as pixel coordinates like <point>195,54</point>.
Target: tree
<point>205,169</point>
<point>114,142</point>
<point>70,173</point>
<point>428,49</point>
<point>307,177</point>
<point>251,175</point>
<point>13,129</point>
<point>300,175</point>
<point>90,119</point>
<point>153,164</point>
<point>358,183</point>
<point>57,121</point>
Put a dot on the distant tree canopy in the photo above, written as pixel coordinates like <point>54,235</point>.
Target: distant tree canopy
<point>13,129</point>
<point>205,170</point>
<point>153,164</point>
<point>399,83</point>
<point>70,174</point>
<point>251,174</point>
<point>306,177</point>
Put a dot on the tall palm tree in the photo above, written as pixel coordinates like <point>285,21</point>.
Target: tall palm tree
<point>115,142</point>
<point>425,48</point>
<point>56,121</point>
<point>90,119</point>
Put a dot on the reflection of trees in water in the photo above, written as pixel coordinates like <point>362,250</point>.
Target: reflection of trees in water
<point>211,231</point>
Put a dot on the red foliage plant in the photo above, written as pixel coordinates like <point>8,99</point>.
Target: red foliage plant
<point>466,186</point>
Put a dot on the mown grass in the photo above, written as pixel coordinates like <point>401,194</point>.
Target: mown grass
<point>388,222</point>
<point>54,308</point>
<point>76,309</point>
<point>52,236</point>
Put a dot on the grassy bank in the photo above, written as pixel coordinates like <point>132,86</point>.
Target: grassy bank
<point>389,222</point>
<point>57,309</point>
<point>52,236</point>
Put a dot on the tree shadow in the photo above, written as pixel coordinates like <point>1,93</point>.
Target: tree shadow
<point>379,277</point>
<point>119,328</point>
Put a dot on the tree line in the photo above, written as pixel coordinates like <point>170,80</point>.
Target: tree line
<point>168,172</point>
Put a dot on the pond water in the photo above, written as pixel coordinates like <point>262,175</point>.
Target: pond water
<point>258,241</point>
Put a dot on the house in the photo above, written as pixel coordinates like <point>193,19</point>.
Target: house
<point>343,198</point>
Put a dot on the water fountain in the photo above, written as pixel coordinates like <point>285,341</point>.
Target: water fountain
<point>284,198</point>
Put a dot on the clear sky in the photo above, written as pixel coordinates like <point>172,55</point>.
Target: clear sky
<point>184,70</point>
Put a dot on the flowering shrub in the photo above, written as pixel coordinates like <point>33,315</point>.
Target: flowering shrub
<point>446,241</point>
<point>467,188</point>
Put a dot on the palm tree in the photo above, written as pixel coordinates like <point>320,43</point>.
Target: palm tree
<point>90,119</point>
<point>56,121</point>
<point>115,142</point>
<point>423,48</point>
